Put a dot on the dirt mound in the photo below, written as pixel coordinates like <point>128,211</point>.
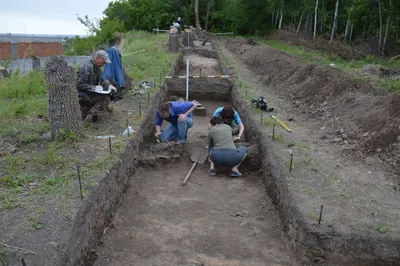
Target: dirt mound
<point>154,154</point>
<point>350,112</point>
<point>337,48</point>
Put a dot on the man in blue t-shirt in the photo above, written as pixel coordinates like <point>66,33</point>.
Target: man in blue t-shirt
<point>232,118</point>
<point>179,115</point>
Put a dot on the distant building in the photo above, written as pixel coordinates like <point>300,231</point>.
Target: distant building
<point>15,46</point>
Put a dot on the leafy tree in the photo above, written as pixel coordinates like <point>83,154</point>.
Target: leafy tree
<point>355,19</point>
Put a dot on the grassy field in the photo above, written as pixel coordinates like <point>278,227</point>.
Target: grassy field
<point>23,102</point>
<point>32,167</point>
<point>353,66</point>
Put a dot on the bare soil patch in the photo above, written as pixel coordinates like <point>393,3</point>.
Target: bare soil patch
<point>210,221</point>
<point>359,198</point>
<point>351,112</point>
<point>40,217</point>
<point>200,65</point>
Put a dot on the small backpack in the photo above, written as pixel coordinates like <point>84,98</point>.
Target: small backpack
<point>261,103</point>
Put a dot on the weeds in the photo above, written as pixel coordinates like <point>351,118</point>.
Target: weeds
<point>9,201</point>
<point>301,145</point>
<point>382,229</point>
<point>2,256</point>
<point>35,223</point>
<point>68,216</point>
<point>393,85</point>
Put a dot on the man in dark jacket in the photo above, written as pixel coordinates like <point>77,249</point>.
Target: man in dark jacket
<point>93,90</point>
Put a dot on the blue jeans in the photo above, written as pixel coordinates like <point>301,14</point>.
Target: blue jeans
<point>228,157</point>
<point>178,131</point>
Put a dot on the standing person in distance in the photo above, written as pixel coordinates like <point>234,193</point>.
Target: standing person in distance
<point>114,72</point>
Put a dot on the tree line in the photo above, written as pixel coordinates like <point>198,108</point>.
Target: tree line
<point>347,20</point>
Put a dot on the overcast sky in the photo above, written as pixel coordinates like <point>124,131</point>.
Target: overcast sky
<point>48,16</point>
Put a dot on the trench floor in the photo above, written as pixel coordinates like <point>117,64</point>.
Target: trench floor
<point>210,221</point>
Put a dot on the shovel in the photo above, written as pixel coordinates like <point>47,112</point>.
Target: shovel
<point>198,156</point>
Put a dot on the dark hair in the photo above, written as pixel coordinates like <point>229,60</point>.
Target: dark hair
<point>117,38</point>
<point>227,112</point>
<point>216,120</point>
<point>165,107</point>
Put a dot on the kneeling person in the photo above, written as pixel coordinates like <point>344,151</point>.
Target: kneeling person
<point>89,77</point>
<point>179,115</point>
<point>222,149</point>
<point>231,118</point>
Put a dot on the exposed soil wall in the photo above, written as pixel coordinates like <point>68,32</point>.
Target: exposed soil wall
<point>99,206</point>
<point>330,96</point>
<point>200,52</point>
<point>201,89</point>
<point>312,243</point>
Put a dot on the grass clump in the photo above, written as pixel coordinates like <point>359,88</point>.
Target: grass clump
<point>150,63</point>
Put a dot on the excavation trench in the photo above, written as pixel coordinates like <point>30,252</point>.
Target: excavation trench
<point>142,215</point>
<point>210,221</point>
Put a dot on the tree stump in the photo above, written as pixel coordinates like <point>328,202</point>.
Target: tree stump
<point>173,42</point>
<point>64,110</point>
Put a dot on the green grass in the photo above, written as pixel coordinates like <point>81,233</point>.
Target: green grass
<point>38,169</point>
<point>23,101</point>
<point>150,63</point>
<point>23,107</point>
<point>2,256</point>
<point>393,85</point>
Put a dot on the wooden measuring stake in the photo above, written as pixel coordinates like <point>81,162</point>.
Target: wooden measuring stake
<point>291,162</point>
<point>127,127</point>
<point>320,214</point>
<point>273,132</point>
<point>261,121</point>
<point>281,123</point>
<point>109,144</point>
<point>140,109</point>
<point>78,169</point>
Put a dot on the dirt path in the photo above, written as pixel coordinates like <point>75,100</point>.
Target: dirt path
<point>357,195</point>
<point>210,221</point>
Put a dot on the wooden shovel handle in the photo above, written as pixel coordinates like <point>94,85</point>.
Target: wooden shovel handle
<point>188,175</point>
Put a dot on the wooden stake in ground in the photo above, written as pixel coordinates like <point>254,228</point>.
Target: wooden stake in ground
<point>64,110</point>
